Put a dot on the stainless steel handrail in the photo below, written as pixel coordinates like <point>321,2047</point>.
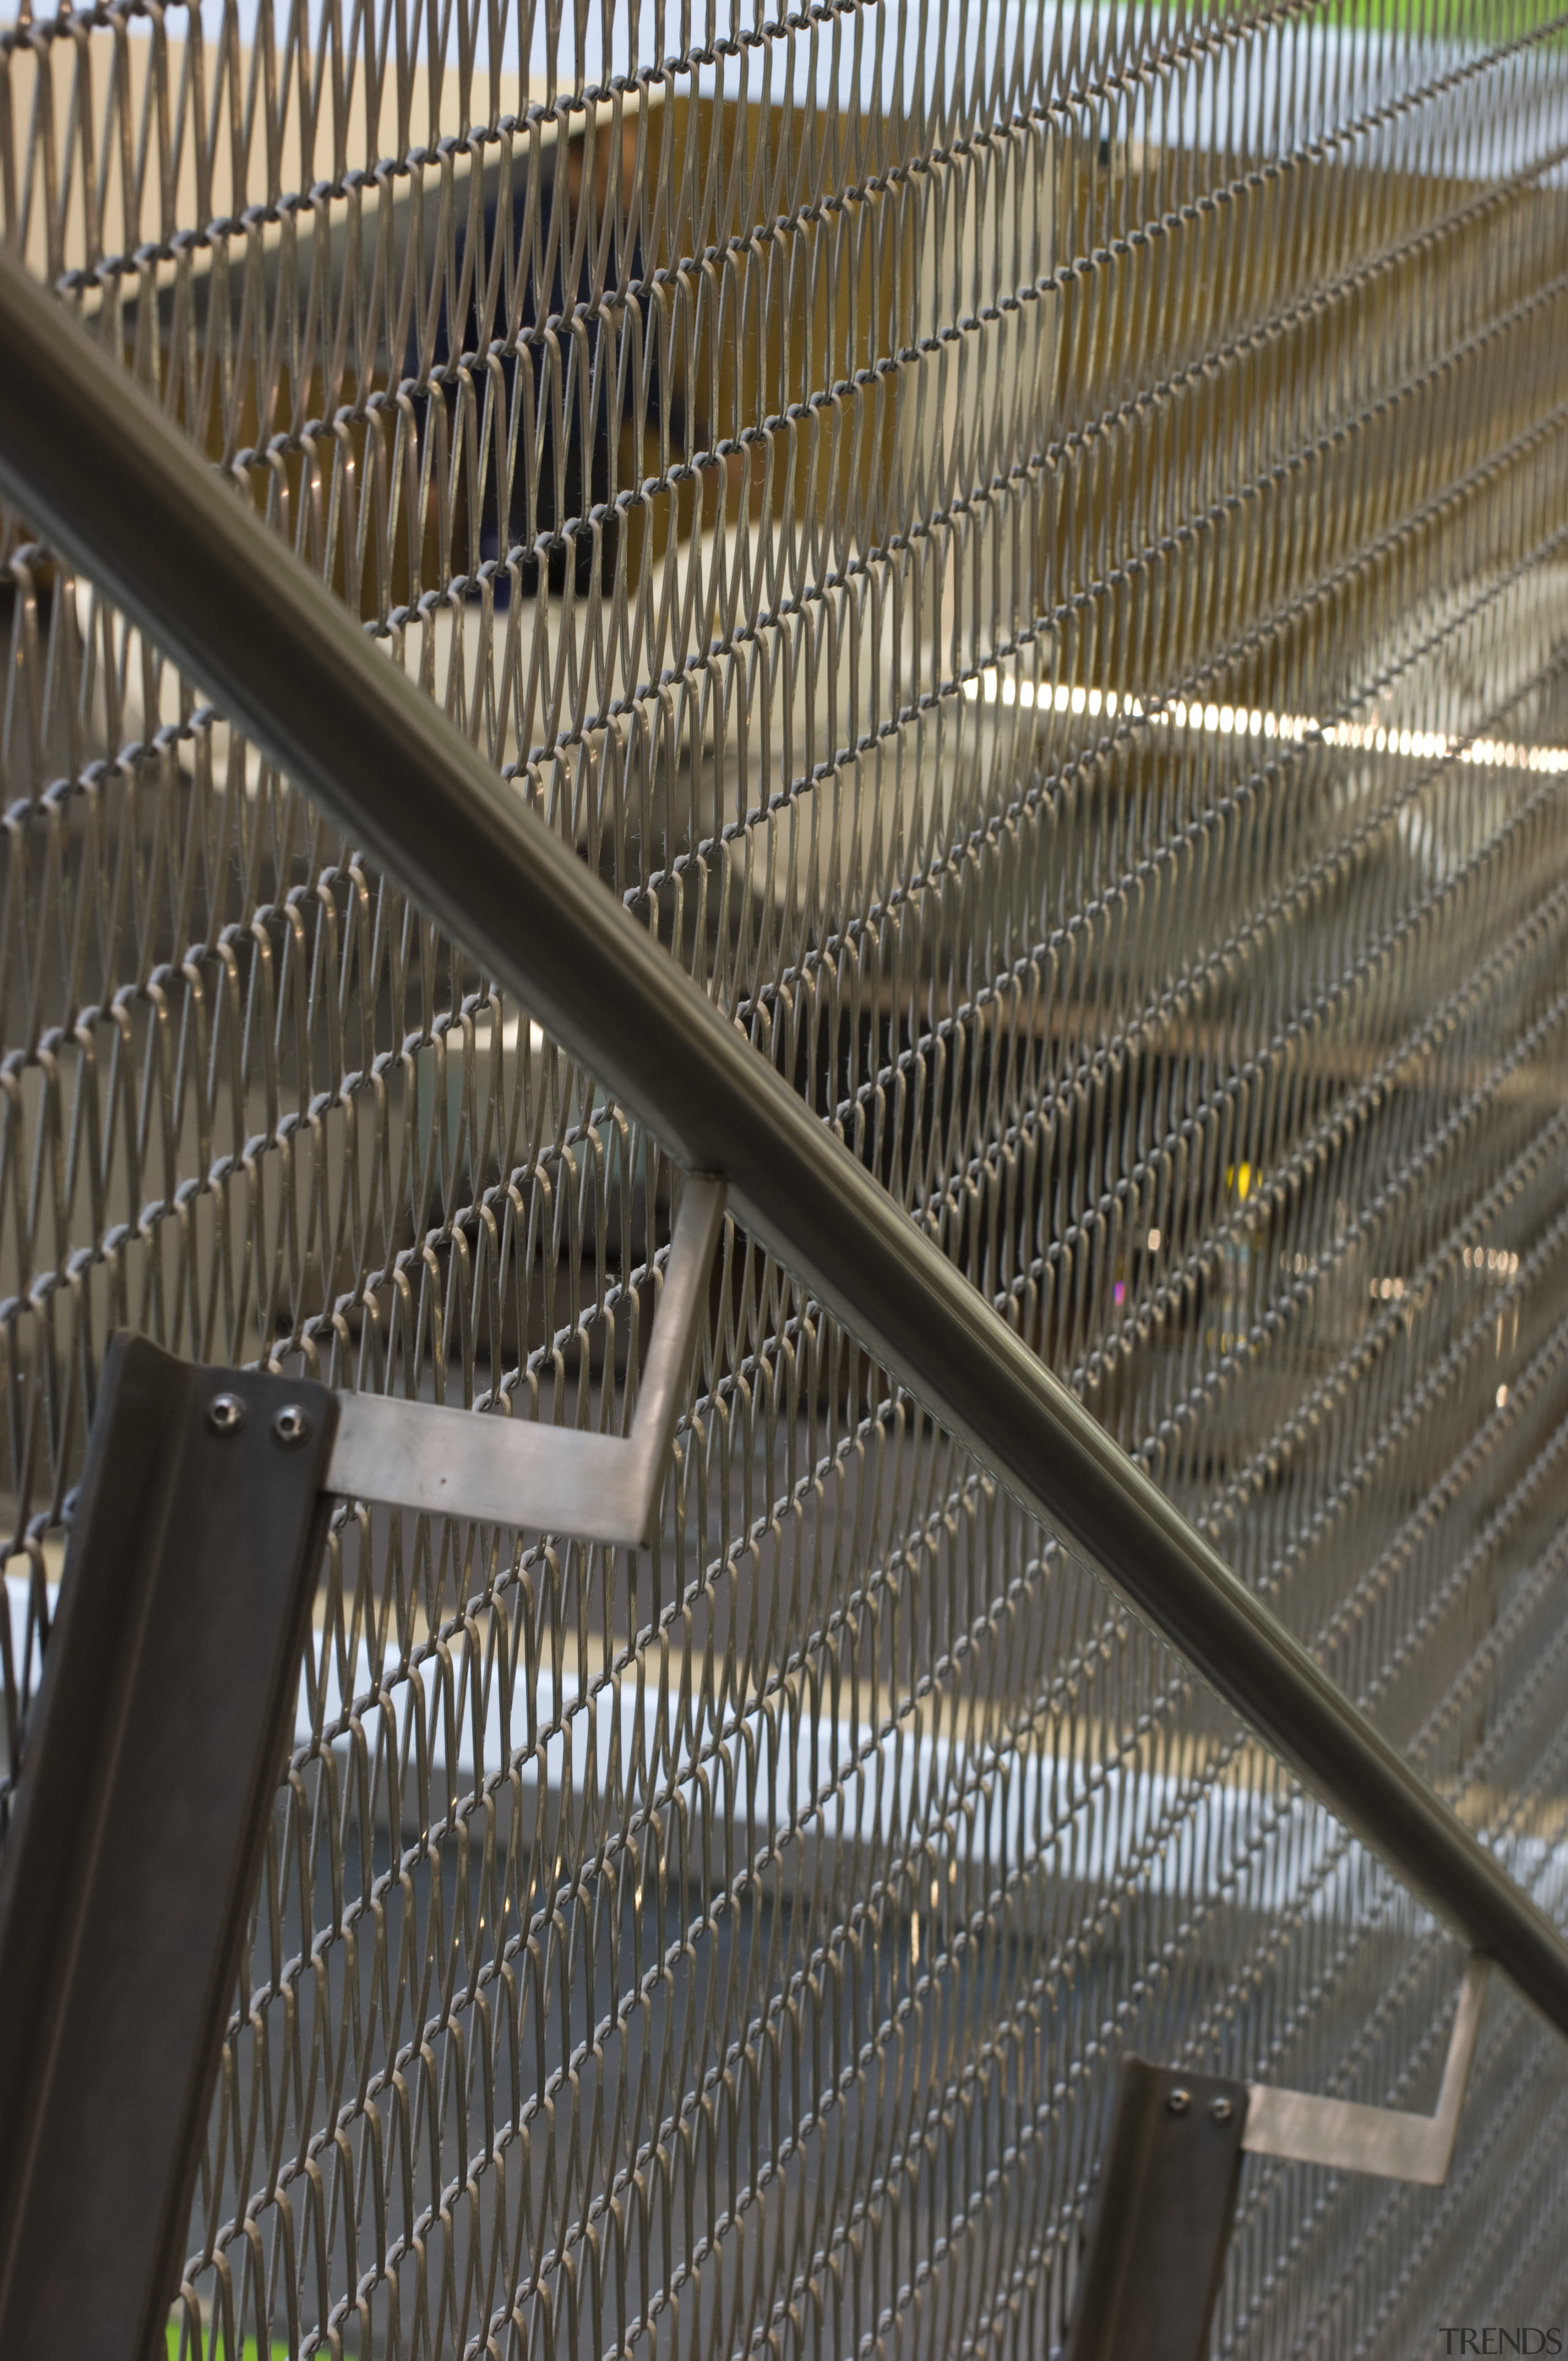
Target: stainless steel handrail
<point>93,463</point>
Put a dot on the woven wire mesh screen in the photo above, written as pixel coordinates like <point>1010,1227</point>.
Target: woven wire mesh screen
<point>1029,544</point>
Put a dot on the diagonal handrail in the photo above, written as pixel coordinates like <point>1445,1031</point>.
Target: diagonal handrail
<point>86,453</point>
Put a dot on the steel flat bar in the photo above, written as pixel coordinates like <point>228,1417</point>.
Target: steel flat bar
<point>1388,2141</point>
<point>508,1471</point>
<point>98,469</point>
<point>499,1471</point>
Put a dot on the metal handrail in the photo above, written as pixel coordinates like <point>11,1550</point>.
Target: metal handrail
<point>88,456</point>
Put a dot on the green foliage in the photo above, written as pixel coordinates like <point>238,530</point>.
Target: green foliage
<point>248,2351</point>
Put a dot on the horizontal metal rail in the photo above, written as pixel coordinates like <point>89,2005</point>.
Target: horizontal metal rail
<point>94,464</point>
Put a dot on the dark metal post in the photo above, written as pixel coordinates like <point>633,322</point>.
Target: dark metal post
<point>146,1780</point>
<point>1162,2217</point>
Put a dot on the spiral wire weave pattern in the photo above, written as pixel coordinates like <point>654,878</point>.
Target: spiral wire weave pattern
<point>1028,544</point>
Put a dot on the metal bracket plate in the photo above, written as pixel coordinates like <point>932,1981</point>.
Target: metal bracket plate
<point>508,1471</point>
<point>149,1768</point>
<point>1383,2140</point>
<point>1167,2185</point>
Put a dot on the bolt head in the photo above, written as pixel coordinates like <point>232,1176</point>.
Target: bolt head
<point>1222,2110</point>
<point>1178,2102</point>
<point>226,1413</point>
<point>291,1425</point>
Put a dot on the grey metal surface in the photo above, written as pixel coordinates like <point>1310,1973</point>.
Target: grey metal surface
<point>885,1832</point>
<point>597,1488</point>
<point>1164,2203</point>
<point>145,1800</point>
<point>1386,2140</point>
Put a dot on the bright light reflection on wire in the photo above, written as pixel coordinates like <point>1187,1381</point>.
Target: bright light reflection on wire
<point>1248,721</point>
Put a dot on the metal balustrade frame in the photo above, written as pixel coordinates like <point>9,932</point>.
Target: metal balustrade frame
<point>110,481</point>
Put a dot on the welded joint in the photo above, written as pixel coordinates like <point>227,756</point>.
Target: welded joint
<point>511,1471</point>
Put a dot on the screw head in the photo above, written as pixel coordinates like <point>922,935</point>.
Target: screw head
<point>291,1425</point>
<point>226,1413</point>
<point>1178,2102</point>
<point>1222,2110</point>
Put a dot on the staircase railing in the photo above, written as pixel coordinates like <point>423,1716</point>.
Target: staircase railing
<point>89,459</point>
<point>95,467</point>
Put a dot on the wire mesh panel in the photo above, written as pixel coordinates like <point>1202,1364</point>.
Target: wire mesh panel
<point>1028,544</point>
